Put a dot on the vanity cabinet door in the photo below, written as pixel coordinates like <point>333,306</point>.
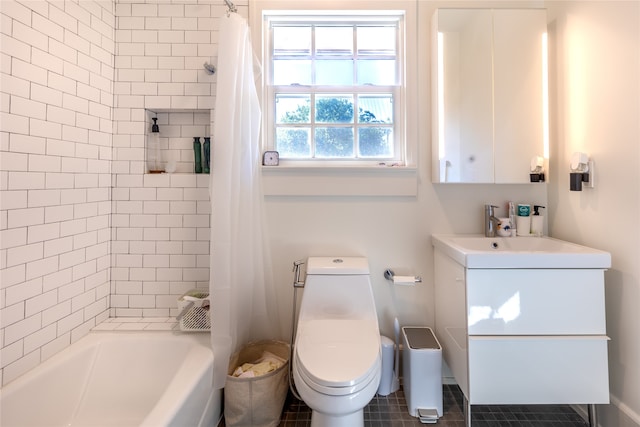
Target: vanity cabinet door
<point>536,302</point>
<point>525,336</point>
<point>451,321</point>
<point>538,370</point>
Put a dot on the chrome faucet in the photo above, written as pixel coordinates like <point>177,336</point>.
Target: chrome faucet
<point>490,221</point>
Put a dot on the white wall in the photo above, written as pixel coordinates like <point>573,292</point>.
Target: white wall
<point>55,152</point>
<point>595,108</point>
<point>393,232</point>
<point>54,240</point>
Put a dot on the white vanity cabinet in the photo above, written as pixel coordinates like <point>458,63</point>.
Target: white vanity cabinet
<point>523,336</point>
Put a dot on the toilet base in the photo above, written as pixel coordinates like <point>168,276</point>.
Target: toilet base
<point>355,419</point>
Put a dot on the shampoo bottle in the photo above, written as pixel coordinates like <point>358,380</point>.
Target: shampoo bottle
<point>537,221</point>
<point>197,155</point>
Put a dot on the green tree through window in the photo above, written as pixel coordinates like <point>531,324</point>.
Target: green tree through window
<point>334,141</point>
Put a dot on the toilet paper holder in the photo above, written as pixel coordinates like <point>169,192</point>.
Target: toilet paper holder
<point>390,275</point>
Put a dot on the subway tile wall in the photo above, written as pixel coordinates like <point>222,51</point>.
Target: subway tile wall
<point>160,228</point>
<point>160,246</point>
<point>85,233</point>
<point>56,83</point>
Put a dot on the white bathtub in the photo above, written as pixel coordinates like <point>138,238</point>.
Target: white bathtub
<point>149,379</point>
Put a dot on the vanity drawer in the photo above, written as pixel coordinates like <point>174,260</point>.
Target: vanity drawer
<point>535,302</point>
<point>538,370</point>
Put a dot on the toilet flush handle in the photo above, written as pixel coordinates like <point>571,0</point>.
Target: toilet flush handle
<point>297,283</point>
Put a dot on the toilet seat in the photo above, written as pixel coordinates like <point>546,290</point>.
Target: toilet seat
<point>338,391</point>
<point>337,356</point>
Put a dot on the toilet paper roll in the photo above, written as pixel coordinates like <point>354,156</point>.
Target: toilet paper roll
<point>404,280</point>
<point>523,225</point>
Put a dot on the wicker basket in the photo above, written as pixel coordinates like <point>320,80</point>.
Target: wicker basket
<point>194,306</point>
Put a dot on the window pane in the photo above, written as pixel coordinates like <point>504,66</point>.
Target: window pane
<point>292,40</point>
<point>334,142</point>
<point>375,141</point>
<point>376,40</point>
<point>375,109</point>
<point>287,72</point>
<point>293,142</point>
<point>334,72</point>
<point>334,109</point>
<point>377,71</point>
<point>293,109</point>
<point>334,40</point>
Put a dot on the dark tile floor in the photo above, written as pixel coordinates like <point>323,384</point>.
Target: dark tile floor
<point>391,411</point>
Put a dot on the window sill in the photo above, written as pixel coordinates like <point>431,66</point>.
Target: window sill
<point>288,180</point>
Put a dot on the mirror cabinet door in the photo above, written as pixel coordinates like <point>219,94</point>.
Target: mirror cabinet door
<point>518,97</point>
<point>487,92</point>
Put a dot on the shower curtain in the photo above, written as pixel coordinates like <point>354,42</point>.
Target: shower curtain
<point>241,286</point>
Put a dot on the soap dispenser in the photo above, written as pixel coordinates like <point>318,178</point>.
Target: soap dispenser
<point>155,163</point>
<point>537,221</point>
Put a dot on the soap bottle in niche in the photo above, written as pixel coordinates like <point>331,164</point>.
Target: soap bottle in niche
<point>197,155</point>
<point>206,152</point>
<point>155,164</point>
<point>537,221</point>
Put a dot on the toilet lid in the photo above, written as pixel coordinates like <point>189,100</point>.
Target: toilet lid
<point>338,352</point>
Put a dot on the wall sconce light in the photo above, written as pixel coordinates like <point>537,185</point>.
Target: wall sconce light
<point>581,171</point>
<point>537,169</point>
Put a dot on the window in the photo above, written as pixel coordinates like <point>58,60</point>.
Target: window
<point>334,87</point>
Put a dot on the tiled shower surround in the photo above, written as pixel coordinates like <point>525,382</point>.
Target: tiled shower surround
<point>159,229</point>
<point>85,233</point>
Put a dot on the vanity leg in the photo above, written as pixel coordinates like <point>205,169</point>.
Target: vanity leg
<point>466,411</point>
<point>593,415</point>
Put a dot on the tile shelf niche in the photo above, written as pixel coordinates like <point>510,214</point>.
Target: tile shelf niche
<point>177,129</point>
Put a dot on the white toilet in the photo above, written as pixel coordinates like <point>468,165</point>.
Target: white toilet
<point>337,359</point>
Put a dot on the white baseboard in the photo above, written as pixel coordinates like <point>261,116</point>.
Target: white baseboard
<point>617,413</point>
<point>448,380</point>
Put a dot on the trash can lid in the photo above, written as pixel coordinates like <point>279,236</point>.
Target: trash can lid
<point>420,338</point>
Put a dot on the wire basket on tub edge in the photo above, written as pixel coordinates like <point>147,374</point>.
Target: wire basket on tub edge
<point>194,311</point>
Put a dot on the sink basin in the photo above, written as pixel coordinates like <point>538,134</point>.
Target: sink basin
<point>475,251</point>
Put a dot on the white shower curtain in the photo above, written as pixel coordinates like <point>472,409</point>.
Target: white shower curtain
<point>241,285</point>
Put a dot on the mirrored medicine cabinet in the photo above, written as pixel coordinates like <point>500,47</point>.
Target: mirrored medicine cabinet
<point>489,86</point>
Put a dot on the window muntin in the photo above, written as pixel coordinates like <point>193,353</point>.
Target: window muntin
<point>334,88</point>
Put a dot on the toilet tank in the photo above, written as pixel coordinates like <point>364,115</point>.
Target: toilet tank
<point>337,265</point>
<point>337,288</point>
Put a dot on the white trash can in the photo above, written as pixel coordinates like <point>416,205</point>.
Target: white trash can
<point>422,373</point>
<point>388,380</point>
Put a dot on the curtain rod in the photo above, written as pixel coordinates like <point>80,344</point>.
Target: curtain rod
<point>230,6</point>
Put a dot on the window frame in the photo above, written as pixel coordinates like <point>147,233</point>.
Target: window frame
<point>404,139</point>
<point>354,90</point>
